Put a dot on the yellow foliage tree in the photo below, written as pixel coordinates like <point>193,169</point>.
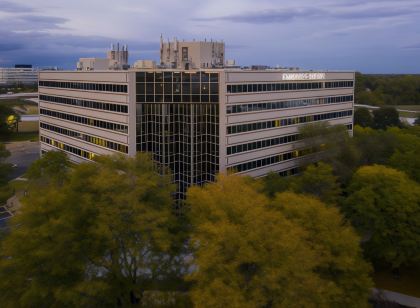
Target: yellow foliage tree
<point>253,252</point>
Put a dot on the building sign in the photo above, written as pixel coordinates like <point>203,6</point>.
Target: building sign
<point>303,76</point>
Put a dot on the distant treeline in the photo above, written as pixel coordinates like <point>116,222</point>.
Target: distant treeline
<point>380,90</point>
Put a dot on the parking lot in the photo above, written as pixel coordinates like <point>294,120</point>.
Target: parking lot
<point>23,154</point>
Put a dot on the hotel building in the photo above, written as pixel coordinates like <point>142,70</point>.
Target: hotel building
<point>196,120</point>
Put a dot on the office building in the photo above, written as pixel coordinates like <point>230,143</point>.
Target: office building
<point>21,74</point>
<point>198,122</point>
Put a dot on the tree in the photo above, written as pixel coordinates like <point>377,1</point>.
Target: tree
<point>53,167</point>
<point>363,118</point>
<point>273,183</point>
<point>250,253</point>
<point>375,146</point>
<point>318,180</point>
<point>5,168</point>
<point>100,238</point>
<point>5,113</point>
<point>385,117</point>
<point>417,121</point>
<point>383,205</point>
<point>335,145</point>
<point>334,244</point>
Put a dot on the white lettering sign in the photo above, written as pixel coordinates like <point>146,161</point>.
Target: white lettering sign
<point>303,76</point>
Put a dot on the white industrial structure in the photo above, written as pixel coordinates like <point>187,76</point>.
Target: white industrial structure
<point>192,55</point>
<point>116,59</point>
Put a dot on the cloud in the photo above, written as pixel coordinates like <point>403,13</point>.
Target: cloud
<point>12,7</point>
<point>344,11</point>
<point>10,46</point>
<point>268,16</point>
<point>413,46</point>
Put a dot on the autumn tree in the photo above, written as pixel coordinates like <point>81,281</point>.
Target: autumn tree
<point>99,238</point>
<point>384,205</point>
<point>318,180</point>
<point>251,252</point>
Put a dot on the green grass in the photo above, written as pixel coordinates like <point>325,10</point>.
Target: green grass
<point>16,102</point>
<point>6,192</point>
<point>405,114</point>
<point>409,107</point>
<point>21,136</point>
<point>408,283</point>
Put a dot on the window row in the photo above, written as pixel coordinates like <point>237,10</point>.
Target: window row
<point>261,144</point>
<point>241,128</point>
<point>105,87</point>
<point>68,148</point>
<point>194,88</point>
<point>269,160</point>
<point>288,104</point>
<point>269,87</point>
<point>339,84</point>
<point>177,98</point>
<point>176,77</point>
<point>94,140</point>
<point>87,121</point>
<point>84,103</point>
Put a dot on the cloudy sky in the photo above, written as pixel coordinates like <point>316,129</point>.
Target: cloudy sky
<point>372,36</point>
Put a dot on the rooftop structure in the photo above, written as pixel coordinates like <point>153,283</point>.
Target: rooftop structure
<point>116,59</point>
<point>192,54</point>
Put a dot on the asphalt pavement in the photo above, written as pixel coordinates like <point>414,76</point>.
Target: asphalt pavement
<point>22,155</point>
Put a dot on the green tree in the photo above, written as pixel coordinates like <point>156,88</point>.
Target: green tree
<point>335,145</point>
<point>417,121</point>
<point>385,117</point>
<point>363,118</point>
<point>53,167</point>
<point>318,180</point>
<point>383,204</point>
<point>5,168</point>
<point>375,146</point>
<point>251,253</point>
<point>273,183</point>
<point>100,238</point>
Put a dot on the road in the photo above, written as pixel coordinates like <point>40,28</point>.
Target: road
<point>23,153</point>
<point>29,117</point>
<point>376,107</point>
<point>18,95</point>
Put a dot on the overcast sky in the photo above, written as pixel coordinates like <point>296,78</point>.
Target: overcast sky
<point>372,36</point>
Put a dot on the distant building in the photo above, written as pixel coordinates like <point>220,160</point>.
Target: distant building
<point>192,55</point>
<point>21,74</point>
<point>196,120</point>
<point>116,60</point>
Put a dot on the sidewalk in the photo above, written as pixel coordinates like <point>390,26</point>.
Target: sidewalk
<point>399,298</point>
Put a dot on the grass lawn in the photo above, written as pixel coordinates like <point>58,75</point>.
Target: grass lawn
<point>408,283</point>
<point>16,102</point>
<point>409,107</point>
<point>21,136</point>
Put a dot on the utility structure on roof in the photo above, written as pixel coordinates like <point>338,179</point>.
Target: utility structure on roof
<point>192,54</point>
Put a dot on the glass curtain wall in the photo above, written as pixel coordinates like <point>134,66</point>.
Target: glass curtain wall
<point>178,122</point>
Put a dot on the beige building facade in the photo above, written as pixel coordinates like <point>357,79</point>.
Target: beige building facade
<point>196,122</point>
